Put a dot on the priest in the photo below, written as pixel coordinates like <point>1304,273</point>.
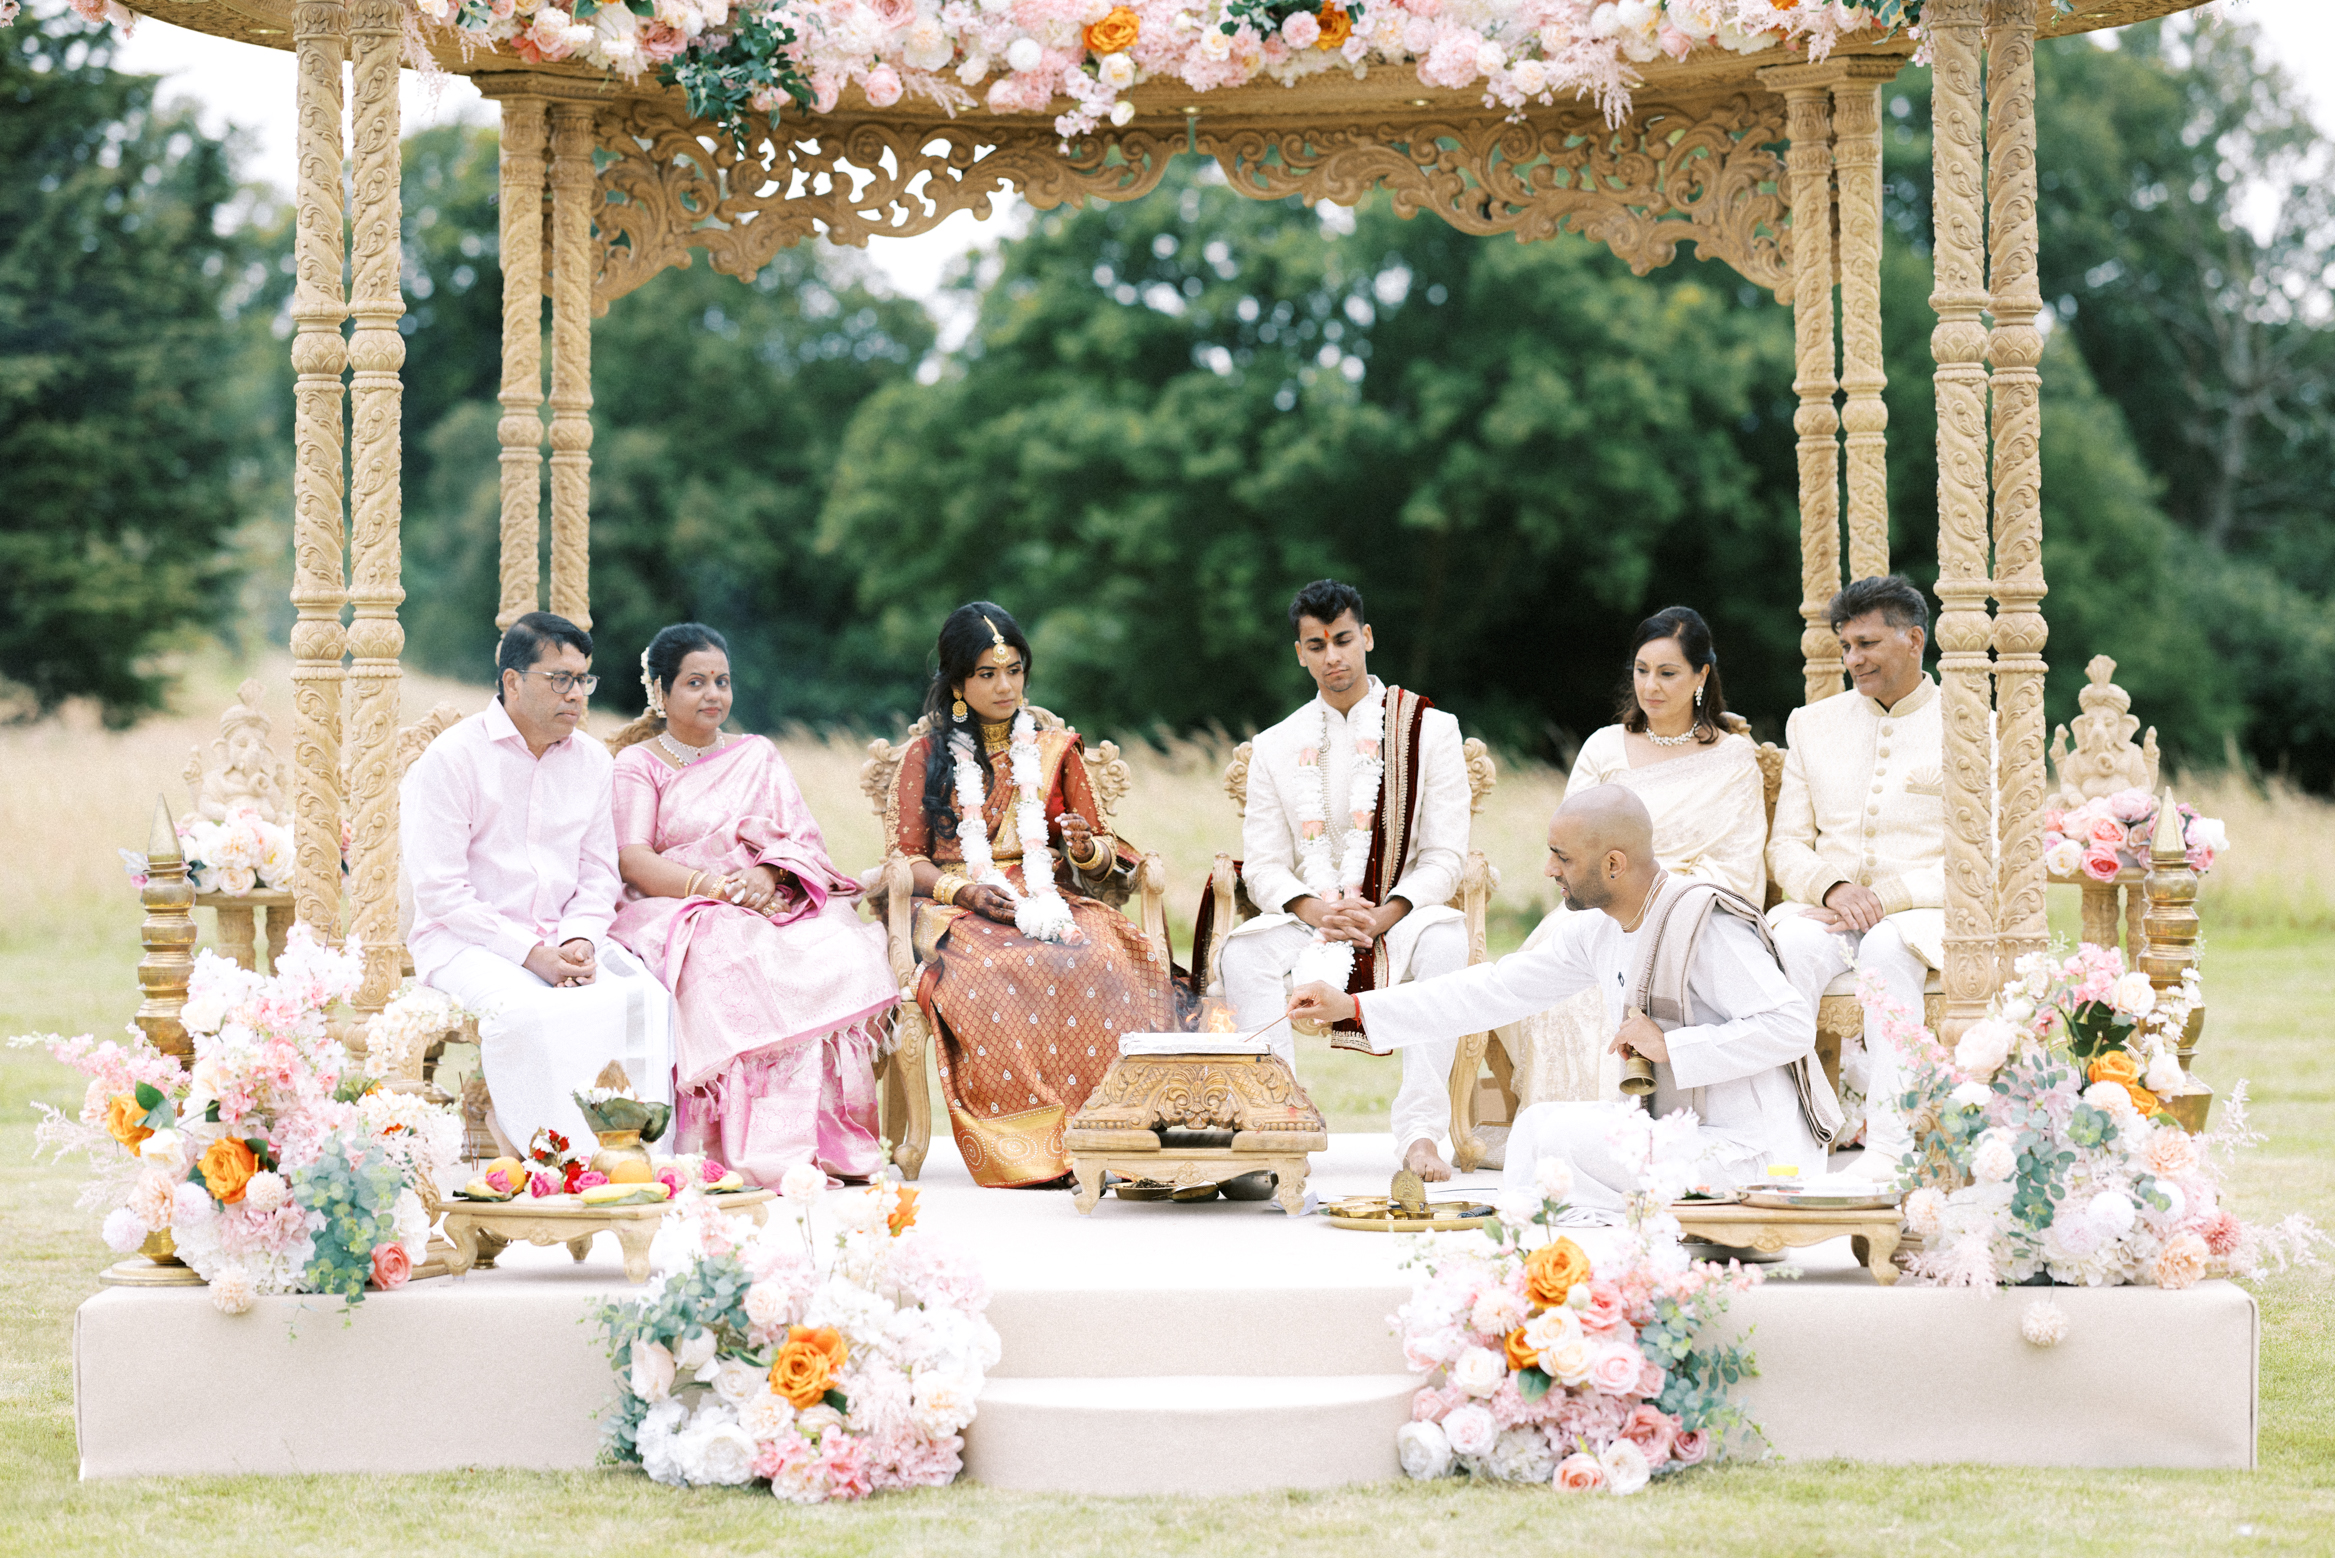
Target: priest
<point>1689,975</point>
<point>1354,833</point>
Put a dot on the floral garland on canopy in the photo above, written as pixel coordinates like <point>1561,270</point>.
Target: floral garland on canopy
<point>1019,56</point>
<point>263,1170</point>
<point>833,1352</point>
<point>1569,1371</point>
<point>2043,1149</point>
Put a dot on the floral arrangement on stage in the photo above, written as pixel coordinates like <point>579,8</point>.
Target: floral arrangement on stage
<point>1023,56</point>
<point>234,856</point>
<point>1580,1373</point>
<point>263,1170</point>
<point>2110,832</point>
<point>2043,1150</point>
<point>832,1353</point>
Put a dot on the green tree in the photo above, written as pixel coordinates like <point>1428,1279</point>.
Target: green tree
<point>132,307</point>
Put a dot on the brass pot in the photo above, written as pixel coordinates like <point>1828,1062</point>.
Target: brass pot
<point>161,1248</point>
<point>618,1147</point>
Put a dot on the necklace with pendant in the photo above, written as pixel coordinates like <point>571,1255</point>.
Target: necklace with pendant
<point>684,754</point>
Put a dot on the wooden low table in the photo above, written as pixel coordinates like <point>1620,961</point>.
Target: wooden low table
<point>481,1230</point>
<point>1235,1114</point>
<point>1873,1234</point>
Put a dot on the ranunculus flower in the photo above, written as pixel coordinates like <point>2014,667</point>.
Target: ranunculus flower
<point>227,1166</point>
<point>1579,1473</point>
<point>125,1119</point>
<point>807,1364</point>
<point>1552,1271</point>
<point>1424,1449</point>
<point>391,1266</point>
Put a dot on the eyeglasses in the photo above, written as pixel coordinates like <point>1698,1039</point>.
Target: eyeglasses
<point>565,682</point>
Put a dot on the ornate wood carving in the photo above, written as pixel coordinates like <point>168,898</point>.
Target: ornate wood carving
<point>575,201</point>
<point>1667,176</point>
<point>1856,152</point>
<point>1809,108</point>
<point>2015,349</point>
<point>376,353</point>
<point>318,356</point>
<point>1959,346</point>
<point>521,428</point>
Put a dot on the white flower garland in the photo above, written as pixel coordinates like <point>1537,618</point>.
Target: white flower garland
<point>1039,911</point>
<point>1332,962</point>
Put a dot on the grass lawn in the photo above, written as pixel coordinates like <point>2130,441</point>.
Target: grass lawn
<point>67,950</point>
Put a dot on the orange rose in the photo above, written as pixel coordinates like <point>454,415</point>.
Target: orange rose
<point>903,1215</point>
<point>2115,1065</point>
<point>807,1364</point>
<point>1114,34</point>
<point>125,1117</point>
<point>1520,1353</point>
<point>1337,27</point>
<point>1551,1272</point>
<point>227,1167</point>
<point>2142,1099</point>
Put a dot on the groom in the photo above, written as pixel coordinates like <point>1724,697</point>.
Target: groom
<point>1355,830</point>
<point>510,846</point>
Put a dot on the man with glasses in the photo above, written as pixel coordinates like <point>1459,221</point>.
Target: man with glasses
<point>510,853</point>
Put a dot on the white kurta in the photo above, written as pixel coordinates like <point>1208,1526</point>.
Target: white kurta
<point>1728,1065</point>
<point>1260,953</point>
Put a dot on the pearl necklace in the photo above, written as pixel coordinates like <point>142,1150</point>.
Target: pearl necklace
<point>684,754</point>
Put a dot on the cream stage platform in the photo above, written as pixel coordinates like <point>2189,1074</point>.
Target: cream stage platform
<point>1151,1348</point>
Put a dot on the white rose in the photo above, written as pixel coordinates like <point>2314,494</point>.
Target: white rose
<point>769,1305</point>
<point>1122,113</point>
<point>1971,1095</point>
<point>1567,1362</point>
<point>1424,1449</point>
<point>2111,1099</point>
<point>2134,995</point>
<point>1479,1371</point>
<point>1531,77</point>
<point>1625,1466</point>
<point>2209,833</point>
<point>1215,47</point>
<point>1023,55</point>
<point>928,42</point>
<point>1553,1177</point>
<point>695,1353</point>
<point>1517,1206</point>
<point>651,1377</point>
<point>803,1184</point>
<point>1985,1045</point>
<point>1995,1159</point>
<point>941,1404</point>
<point>166,1150</point>
<point>817,1420</point>
<point>723,1456</point>
<point>2165,1077</point>
<point>2064,858</point>
<point>736,1382</point>
<point>1551,1329</point>
<point>1116,71</point>
<point>1471,1430</point>
<point>767,1415</point>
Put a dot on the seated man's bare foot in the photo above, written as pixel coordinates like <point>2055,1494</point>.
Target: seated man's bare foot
<point>1424,1161</point>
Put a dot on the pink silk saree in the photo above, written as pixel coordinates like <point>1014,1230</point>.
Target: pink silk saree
<point>774,1063</point>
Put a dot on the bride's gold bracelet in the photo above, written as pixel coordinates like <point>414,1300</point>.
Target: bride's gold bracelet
<point>1100,860</point>
<point>946,886</point>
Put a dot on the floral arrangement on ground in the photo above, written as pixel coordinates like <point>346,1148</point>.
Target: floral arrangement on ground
<point>1552,1367</point>
<point>2043,1148</point>
<point>263,1167</point>
<point>834,1352</point>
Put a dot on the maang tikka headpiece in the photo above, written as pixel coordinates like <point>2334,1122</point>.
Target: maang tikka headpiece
<point>1002,653</point>
<point>649,685</point>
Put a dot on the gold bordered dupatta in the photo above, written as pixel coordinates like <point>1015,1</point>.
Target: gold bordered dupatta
<point>1390,843</point>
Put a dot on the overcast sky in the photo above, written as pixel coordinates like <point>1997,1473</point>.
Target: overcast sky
<point>252,88</point>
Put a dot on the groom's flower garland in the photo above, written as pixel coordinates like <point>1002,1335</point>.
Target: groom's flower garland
<point>1332,962</point>
<point>1039,911</point>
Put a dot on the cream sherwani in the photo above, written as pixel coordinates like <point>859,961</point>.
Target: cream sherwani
<point>1864,801</point>
<point>505,851</point>
<point>1729,1063</point>
<point>1430,940</point>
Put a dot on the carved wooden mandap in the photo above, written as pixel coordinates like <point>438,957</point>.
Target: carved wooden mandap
<point>1766,162</point>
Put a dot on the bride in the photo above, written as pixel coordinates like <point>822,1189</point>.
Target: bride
<point>1679,750</point>
<point>731,900</point>
<point>1027,982</point>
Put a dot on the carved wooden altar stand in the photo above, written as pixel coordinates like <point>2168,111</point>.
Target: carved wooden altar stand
<point>1188,1120</point>
<point>1873,1233</point>
<point>481,1230</point>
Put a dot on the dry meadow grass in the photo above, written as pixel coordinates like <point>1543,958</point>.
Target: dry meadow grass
<point>74,793</point>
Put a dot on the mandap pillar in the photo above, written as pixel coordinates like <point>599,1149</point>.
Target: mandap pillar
<point>1808,168</point>
<point>376,395</point>
<point>1856,154</point>
<point>1958,343</point>
<point>575,192</point>
<point>319,32</point>
<point>2015,350</point>
<point>521,429</point>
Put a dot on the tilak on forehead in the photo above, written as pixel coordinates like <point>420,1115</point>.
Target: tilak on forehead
<point>1003,652</point>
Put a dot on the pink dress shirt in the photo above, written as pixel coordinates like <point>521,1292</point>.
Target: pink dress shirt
<point>505,849</point>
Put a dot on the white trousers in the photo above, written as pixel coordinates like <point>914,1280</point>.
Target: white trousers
<point>1813,957</point>
<point>1256,982</point>
<point>539,1044</point>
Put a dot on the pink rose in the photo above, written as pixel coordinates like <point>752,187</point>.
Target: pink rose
<point>1690,1446</point>
<point>500,1179</point>
<point>1652,1430</point>
<point>1471,1430</point>
<point>670,1178</point>
<point>1578,1473</point>
<point>1604,1313</point>
<point>2101,863</point>
<point>1428,1406</point>
<point>2136,838</point>
<point>712,1172</point>
<point>391,1266</point>
<point>1651,1382</point>
<point>542,1185</point>
<point>590,1179</point>
<point>1301,29</point>
<point>883,87</point>
<point>1616,1367</point>
<point>2108,831</point>
<point>2200,858</point>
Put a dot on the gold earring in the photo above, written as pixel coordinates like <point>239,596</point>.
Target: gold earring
<point>957,709</point>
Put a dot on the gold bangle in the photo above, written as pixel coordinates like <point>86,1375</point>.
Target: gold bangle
<point>689,890</point>
<point>946,886</point>
<point>1100,860</point>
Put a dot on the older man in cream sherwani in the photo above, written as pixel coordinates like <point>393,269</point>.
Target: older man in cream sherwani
<point>1396,916</point>
<point>1859,842</point>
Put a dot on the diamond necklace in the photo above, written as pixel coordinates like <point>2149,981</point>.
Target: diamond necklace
<point>684,754</point>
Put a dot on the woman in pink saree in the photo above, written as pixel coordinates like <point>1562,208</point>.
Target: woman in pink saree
<point>731,900</point>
